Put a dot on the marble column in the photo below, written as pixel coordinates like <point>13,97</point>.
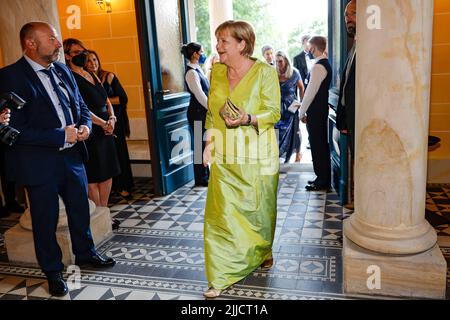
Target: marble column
<point>394,42</point>
<point>14,14</point>
<point>219,12</point>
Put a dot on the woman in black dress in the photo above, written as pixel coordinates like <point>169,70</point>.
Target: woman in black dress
<point>103,163</point>
<point>123,183</point>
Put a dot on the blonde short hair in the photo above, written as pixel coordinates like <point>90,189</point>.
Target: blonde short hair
<point>240,30</point>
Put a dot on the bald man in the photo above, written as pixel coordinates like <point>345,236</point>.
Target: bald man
<point>345,121</point>
<point>49,154</point>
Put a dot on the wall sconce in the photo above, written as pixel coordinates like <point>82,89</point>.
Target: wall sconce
<point>104,5</point>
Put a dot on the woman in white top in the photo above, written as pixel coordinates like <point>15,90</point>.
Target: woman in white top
<point>198,86</point>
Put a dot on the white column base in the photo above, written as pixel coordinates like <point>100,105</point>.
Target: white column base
<point>20,244</point>
<point>422,275</point>
<point>399,240</point>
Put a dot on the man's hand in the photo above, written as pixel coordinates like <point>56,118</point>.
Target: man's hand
<point>5,116</point>
<point>305,119</point>
<point>71,133</point>
<point>344,131</point>
<point>83,133</point>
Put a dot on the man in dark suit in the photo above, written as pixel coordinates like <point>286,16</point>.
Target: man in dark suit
<point>300,60</point>
<point>345,116</point>
<point>47,159</point>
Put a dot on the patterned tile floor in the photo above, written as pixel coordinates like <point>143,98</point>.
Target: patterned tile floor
<point>159,249</point>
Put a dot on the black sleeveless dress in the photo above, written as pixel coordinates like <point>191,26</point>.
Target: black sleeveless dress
<point>124,181</point>
<point>103,163</point>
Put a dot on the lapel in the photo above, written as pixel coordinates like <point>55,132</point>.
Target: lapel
<point>344,73</point>
<point>33,77</point>
<point>302,60</point>
<point>66,83</point>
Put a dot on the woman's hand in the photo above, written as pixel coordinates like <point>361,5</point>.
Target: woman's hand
<point>242,120</point>
<point>108,127</point>
<point>5,115</point>
<point>207,154</point>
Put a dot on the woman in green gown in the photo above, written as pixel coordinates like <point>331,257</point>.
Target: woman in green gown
<point>241,204</point>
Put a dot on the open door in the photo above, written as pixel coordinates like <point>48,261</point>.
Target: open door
<point>162,30</point>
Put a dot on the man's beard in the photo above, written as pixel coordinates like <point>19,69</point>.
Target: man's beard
<point>351,31</point>
<point>51,58</point>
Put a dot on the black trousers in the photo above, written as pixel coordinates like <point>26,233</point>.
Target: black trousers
<point>317,126</point>
<point>124,181</point>
<point>8,187</point>
<point>197,118</point>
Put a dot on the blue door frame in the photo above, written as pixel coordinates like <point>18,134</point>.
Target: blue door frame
<point>165,113</point>
<point>338,50</point>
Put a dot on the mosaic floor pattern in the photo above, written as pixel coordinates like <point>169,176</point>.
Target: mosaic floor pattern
<point>159,249</point>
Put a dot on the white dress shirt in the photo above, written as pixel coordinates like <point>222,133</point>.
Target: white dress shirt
<point>318,74</point>
<point>193,82</point>
<point>309,61</point>
<point>51,93</point>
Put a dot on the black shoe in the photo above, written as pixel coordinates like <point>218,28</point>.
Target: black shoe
<point>115,224</point>
<point>314,187</point>
<point>14,207</point>
<point>57,286</point>
<point>96,261</point>
<point>311,181</point>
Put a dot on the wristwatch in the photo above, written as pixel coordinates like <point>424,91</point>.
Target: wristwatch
<point>249,120</point>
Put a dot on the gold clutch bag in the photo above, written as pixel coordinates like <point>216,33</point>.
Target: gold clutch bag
<point>230,110</point>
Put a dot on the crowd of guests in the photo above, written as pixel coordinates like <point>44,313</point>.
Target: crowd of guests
<point>108,167</point>
<point>73,145</point>
<point>265,97</point>
<point>303,86</point>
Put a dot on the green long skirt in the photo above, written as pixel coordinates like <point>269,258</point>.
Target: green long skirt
<point>240,220</point>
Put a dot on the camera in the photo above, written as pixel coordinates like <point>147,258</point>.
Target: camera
<point>9,135</point>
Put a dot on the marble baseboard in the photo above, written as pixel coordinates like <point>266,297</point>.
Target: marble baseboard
<point>141,170</point>
<point>413,276</point>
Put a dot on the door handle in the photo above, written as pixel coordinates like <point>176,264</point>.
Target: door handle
<point>163,92</point>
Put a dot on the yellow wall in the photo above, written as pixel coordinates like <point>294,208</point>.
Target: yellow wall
<point>114,37</point>
<point>1,59</point>
<point>440,88</point>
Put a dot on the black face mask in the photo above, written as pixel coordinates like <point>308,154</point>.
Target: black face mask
<point>80,60</point>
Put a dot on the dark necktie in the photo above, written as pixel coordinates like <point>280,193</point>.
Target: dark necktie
<point>63,101</point>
